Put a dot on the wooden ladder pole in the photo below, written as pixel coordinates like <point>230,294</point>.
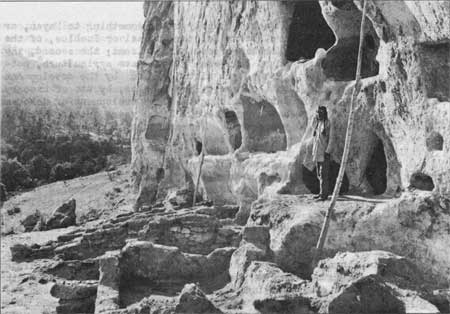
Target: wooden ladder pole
<point>323,233</point>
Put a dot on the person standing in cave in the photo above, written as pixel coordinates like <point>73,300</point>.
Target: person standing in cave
<point>321,151</point>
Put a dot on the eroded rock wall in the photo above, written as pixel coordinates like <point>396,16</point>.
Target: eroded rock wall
<point>247,77</point>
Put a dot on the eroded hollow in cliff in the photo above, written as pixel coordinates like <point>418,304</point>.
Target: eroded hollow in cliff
<point>198,146</point>
<point>435,141</point>
<point>340,62</point>
<point>376,169</point>
<point>157,129</point>
<point>262,123</point>
<point>308,31</point>
<point>312,182</point>
<point>234,129</point>
<point>435,62</point>
<point>421,181</point>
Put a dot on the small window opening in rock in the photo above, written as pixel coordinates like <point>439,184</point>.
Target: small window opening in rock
<point>265,131</point>
<point>308,32</point>
<point>435,141</point>
<point>198,146</point>
<point>435,62</point>
<point>157,129</point>
<point>383,86</point>
<point>234,129</point>
<point>312,182</point>
<point>421,181</point>
<point>376,169</point>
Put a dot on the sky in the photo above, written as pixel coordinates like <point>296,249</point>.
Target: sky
<point>89,32</point>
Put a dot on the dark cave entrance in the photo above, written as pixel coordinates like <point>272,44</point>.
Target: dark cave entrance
<point>340,62</point>
<point>312,182</point>
<point>376,169</point>
<point>198,146</point>
<point>234,129</point>
<point>308,31</point>
<point>434,141</point>
<point>435,63</point>
<point>262,123</point>
<point>157,129</point>
<point>421,181</point>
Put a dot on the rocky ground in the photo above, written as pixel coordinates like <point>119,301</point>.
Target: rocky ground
<point>25,290</point>
<point>383,256</point>
<point>97,196</point>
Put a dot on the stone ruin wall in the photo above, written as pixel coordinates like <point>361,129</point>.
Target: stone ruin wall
<point>244,78</point>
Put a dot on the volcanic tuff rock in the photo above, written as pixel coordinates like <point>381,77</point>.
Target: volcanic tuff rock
<point>415,225</point>
<point>129,264</point>
<point>64,216</point>
<point>242,80</point>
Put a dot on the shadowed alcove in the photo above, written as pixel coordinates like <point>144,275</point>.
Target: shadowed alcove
<point>376,169</point>
<point>198,146</point>
<point>434,141</point>
<point>421,181</point>
<point>308,31</point>
<point>157,129</point>
<point>234,129</point>
<point>341,59</point>
<point>262,123</point>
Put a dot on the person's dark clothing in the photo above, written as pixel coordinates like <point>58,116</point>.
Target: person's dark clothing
<point>321,154</point>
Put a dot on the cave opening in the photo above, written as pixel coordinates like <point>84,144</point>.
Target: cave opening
<point>434,141</point>
<point>157,129</point>
<point>262,123</point>
<point>340,62</point>
<point>198,146</point>
<point>435,64</point>
<point>376,169</point>
<point>421,181</point>
<point>312,182</point>
<point>234,129</point>
<point>308,31</point>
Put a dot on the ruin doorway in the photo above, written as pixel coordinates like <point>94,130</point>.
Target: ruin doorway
<point>262,123</point>
<point>308,31</point>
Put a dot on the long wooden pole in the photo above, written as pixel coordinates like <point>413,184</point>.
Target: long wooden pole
<point>348,137</point>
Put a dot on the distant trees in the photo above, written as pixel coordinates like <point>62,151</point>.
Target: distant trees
<point>54,158</point>
<point>55,129</point>
<point>39,167</point>
<point>14,175</point>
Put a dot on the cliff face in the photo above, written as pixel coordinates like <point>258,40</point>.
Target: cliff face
<point>243,80</point>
